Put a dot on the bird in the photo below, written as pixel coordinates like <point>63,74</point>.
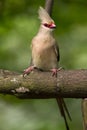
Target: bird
<point>45,54</point>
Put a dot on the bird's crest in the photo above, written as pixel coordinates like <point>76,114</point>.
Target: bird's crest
<point>44,16</point>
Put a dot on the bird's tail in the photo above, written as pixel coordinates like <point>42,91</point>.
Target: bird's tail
<point>63,109</point>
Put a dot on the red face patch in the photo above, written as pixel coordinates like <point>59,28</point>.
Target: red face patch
<point>50,25</point>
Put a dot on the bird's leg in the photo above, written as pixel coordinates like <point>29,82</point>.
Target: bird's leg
<point>28,70</point>
<point>55,70</point>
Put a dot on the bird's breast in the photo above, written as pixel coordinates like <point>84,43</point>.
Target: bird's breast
<point>44,56</point>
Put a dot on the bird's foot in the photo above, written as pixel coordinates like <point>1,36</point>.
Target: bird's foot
<point>54,71</point>
<point>28,70</point>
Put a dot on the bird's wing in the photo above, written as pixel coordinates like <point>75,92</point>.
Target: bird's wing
<point>57,51</point>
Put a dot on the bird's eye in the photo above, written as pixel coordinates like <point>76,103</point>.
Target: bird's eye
<point>46,25</point>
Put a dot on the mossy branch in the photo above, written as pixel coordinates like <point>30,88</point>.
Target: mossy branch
<point>68,84</point>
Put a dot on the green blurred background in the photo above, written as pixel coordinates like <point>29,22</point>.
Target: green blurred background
<point>18,24</point>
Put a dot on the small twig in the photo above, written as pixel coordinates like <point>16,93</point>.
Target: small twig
<point>48,6</point>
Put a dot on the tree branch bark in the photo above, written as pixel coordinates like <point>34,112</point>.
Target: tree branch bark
<point>84,113</point>
<point>48,6</point>
<point>41,85</point>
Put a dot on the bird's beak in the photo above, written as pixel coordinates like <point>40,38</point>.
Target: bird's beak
<point>52,25</point>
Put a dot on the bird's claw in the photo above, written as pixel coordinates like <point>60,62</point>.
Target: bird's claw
<point>28,70</point>
<point>54,71</point>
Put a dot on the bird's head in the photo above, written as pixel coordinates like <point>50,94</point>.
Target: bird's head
<point>46,20</point>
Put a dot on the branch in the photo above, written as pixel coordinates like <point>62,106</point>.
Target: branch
<point>68,84</point>
<point>48,6</point>
<point>84,113</point>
